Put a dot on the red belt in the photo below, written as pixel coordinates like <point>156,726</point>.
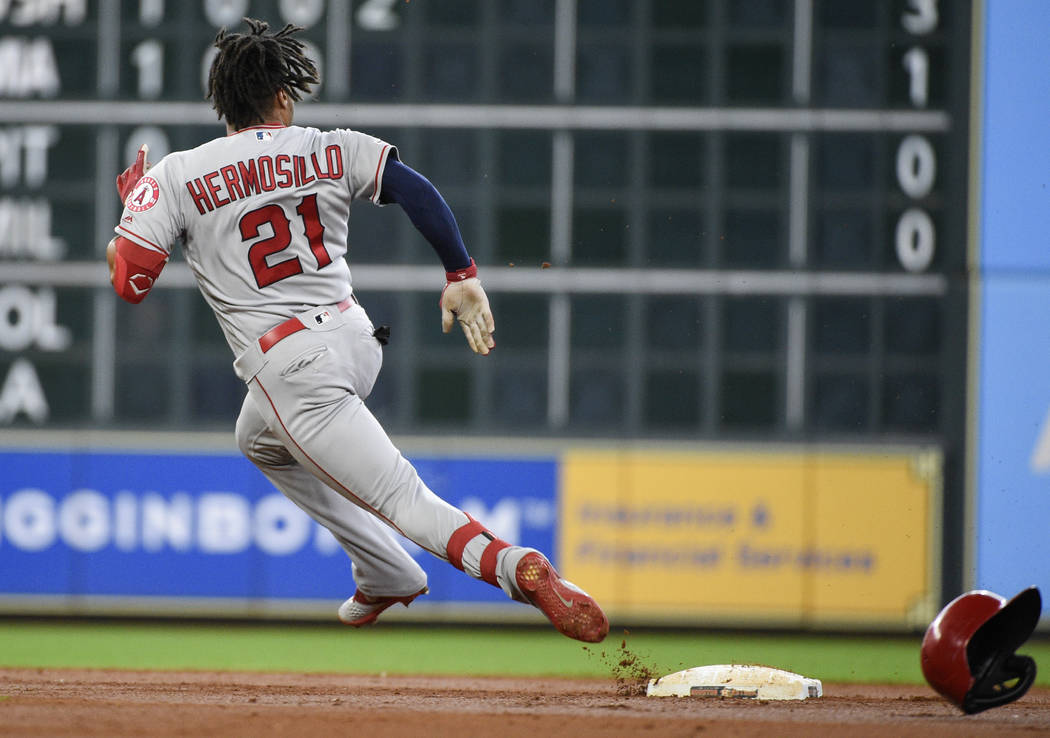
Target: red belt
<point>293,325</point>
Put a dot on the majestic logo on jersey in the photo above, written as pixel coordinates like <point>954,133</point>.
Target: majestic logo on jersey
<point>144,196</point>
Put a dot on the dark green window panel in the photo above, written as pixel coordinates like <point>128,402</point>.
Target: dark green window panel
<point>450,72</point>
<point>374,235</point>
<point>751,324</point>
<point>596,399</point>
<point>524,158</point>
<point>913,326</point>
<point>753,161</point>
<point>757,74</point>
<point>840,402</point>
<point>759,13</point>
<point>204,328</point>
<point>74,148</point>
<point>449,157</point>
<point>672,399</point>
<point>748,400</point>
<point>138,398</point>
<point>443,395</point>
<point>676,160</point>
<point>376,72</point>
<point>835,14</point>
<point>674,323</point>
<point>520,397</point>
<point>74,309</point>
<point>600,159</point>
<point>843,239</point>
<point>911,402</point>
<point>752,239</point>
<point>526,73</point>
<point>605,14</point>
<point>678,15</point>
<point>678,74</point>
<point>841,326</point>
<point>845,162</point>
<point>462,14</point>
<point>530,13</point>
<point>604,73</point>
<point>847,74</point>
<point>146,328</point>
<point>599,237</point>
<point>524,235</point>
<point>215,392</point>
<point>676,238</point>
<point>521,321</point>
<point>384,308</point>
<point>67,386</point>
<point>598,321</point>
<point>69,227</point>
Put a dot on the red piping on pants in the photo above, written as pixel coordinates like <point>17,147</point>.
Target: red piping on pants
<point>335,481</point>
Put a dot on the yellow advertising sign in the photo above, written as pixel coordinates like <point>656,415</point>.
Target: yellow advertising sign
<point>765,537</point>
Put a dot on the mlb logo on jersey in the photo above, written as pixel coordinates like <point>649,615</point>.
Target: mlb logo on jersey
<point>323,317</point>
<point>263,136</point>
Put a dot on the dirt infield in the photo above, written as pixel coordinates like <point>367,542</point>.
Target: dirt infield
<point>54,702</point>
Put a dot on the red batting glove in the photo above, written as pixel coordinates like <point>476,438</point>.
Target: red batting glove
<point>130,177</point>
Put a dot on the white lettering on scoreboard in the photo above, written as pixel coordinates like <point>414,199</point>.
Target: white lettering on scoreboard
<point>23,155</point>
<point>28,316</point>
<point>29,69</point>
<point>21,13</point>
<point>915,237</point>
<point>25,230</point>
<point>28,65</point>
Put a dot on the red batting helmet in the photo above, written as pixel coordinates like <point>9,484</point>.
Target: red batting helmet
<point>968,651</point>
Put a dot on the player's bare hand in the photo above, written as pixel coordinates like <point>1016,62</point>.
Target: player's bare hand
<point>127,179</point>
<point>466,303</point>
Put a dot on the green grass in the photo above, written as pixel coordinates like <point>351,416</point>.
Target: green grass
<point>401,649</point>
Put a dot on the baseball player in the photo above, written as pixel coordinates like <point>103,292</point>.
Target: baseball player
<point>262,215</point>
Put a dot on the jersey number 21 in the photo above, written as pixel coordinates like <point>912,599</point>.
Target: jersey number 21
<point>266,272</point>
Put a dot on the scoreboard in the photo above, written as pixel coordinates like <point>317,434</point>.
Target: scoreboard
<point>754,211</point>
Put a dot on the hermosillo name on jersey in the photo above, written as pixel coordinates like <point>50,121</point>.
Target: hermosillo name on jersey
<point>262,174</point>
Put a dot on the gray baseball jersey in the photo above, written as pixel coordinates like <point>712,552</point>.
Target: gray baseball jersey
<point>263,214</point>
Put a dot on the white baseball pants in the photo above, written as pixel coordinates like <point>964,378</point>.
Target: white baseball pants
<point>305,425</point>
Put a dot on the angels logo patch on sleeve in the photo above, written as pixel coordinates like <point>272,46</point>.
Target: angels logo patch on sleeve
<point>144,196</point>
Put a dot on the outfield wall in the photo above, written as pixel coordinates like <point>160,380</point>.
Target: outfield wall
<point>1010,516</point>
<point>696,535</point>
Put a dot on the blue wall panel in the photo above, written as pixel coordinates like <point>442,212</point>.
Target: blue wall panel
<point>183,525</point>
<point>1013,503</point>
<point>1013,476</point>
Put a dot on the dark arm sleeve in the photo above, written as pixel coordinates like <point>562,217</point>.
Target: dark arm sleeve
<point>427,210</point>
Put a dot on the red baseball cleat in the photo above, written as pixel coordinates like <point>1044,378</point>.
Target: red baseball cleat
<point>571,610</point>
<point>362,610</point>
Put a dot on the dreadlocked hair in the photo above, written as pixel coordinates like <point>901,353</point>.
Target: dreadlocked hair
<point>252,67</point>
